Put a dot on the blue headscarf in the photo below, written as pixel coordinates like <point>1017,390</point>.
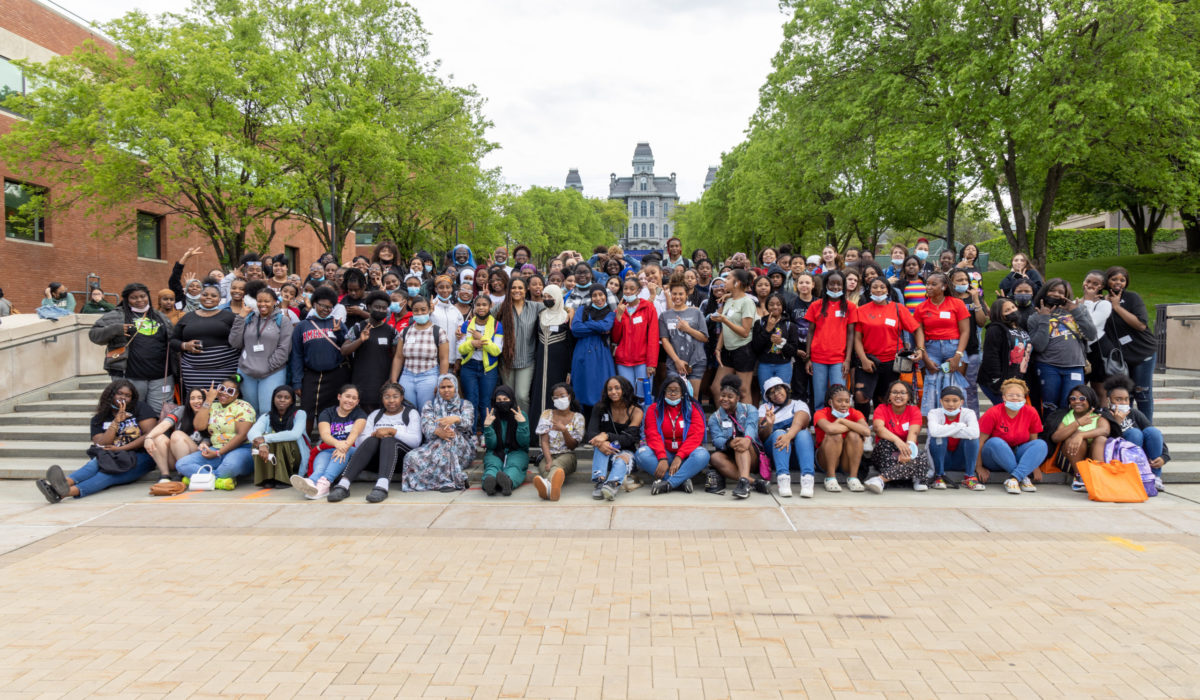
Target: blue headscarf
<point>470,256</point>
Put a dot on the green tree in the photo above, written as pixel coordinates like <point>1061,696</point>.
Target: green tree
<point>550,220</point>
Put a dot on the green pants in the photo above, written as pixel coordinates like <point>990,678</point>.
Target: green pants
<point>514,464</point>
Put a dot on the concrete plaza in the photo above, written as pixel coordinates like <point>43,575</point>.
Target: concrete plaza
<point>261,594</point>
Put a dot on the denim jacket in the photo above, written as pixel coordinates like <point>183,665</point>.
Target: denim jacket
<point>720,427</point>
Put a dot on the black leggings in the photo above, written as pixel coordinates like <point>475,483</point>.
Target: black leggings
<point>385,455</point>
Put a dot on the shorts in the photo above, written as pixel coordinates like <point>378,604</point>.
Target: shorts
<point>739,360</point>
<point>696,374</point>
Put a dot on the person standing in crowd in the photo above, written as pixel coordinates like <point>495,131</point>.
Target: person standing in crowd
<point>1020,271</point>
<point>422,355</point>
<point>946,262</point>
<point>506,439</point>
<point>371,347</point>
<point>895,271</point>
<point>1008,439</point>
<point>265,339</point>
<point>840,434</point>
<point>970,263</point>
<point>444,312</point>
<point>118,454</point>
<point>912,285</point>
<point>552,351</point>
<point>316,361</point>
<point>482,343</point>
<point>683,334</point>
<point>167,307</point>
<point>592,361</point>
<point>278,440</point>
<point>613,433</point>
<point>775,341</point>
<point>387,255</point>
<point>1006,352</point>
<point>519,317</point>
<point>237,302</point>
<point>878,339</point>
<point>674,432</point>
<point>675,257</point>
<point>137,342</point>
<point>831,339</point>
<point>636,336</point>
<point>1130,325</point>
<point>921,252</point>
<point>1060,331</point>
<point>977,316</point>
<point>954,439</point>
<point>736,316</point>
<point>448,426</point>
<point>228,420</point>
<point>896,457</point>
<point>783,427</point>
<point>944,325</point>
<point>1100,309</point>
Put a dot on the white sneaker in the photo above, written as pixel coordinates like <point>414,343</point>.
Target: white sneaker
<point>854,484</point>
<point>831,485</point>
<point>1158,484</point>
<point>1027,486</point>
<point>920,485</point>
<point>304,486</point>
<point>1011,485</point>
<point>869,443</point>
<point>874,484</point>
<point>806,485</point>
<point>322,489</point>
<point>784,481</point>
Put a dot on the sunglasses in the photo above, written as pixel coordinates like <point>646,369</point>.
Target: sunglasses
<point>227,390</point>
<point>1076,399</point>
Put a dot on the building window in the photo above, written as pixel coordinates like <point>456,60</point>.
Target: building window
<point>12,80</point>
<point>666,209</point>
<point>651,208</point>
<point>149,235</point>
<point>666,231</point>
<point>292,253</point>
<point>643,208</point>
<point>652,230</point>
<point>24,225</point>
<point>643,230</point>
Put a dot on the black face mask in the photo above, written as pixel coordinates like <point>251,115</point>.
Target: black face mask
<point>504,409</point>
<point>377,315</point>
<point>1023,299</point>
<point>1012,318</point>
<point>1052,302</point>
<point>549,302</point>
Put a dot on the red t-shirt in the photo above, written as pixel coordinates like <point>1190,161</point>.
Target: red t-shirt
<point>880,327</point>
<point>1015,431</point>
<point>898,424</point>
<point>941,321</point>
<point>827,414</point>
<point>828,341</point>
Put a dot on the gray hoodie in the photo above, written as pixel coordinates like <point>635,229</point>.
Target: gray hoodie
<point>1061,346</point>
<point>265,343</point>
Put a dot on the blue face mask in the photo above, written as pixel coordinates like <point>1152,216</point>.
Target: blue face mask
<point>395,307</point>
<point>1014,405</point>
<point>921,255</point>
<point>879,298</point>
<point>442,298</point>
<point>599,307</point>
<point>581,285</point>
<point>955,412</point>
<point>673,402</point>
<point>421,319</point>
<point>318,314</point>
<point>429,268</point>
<point>413,291</point>
<point>839,414</point>
<point>960,288</point>
<point>834,295</point>
<point>630,298</point>
<point>319,279</point>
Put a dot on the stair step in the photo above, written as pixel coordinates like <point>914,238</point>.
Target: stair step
<point>72,406</point>
<point>45,419</point>
<point>92,395</point>
<point>12,434</point>
<point>40,451</point>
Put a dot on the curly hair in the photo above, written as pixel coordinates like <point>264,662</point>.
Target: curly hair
<point>104,406</point>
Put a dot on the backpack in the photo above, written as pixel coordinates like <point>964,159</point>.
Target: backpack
<point>437,334</point>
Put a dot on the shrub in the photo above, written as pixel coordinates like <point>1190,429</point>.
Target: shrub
<point>1077,244</point>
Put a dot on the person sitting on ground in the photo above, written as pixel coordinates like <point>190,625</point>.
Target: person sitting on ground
<point>840,432</point>
<point>339,427</point>
<point>278,440</point>
<point>96,303</point>
<point>954,439</point>
<point>1129,423</point>
<point>674,432</point>
<point>392,432</point>
<point>506,437</point>
<point>560,430</point>
<point>118,431</point>
<point>175,436</point>
<point>1078,431</point>
<point>613,433</point>
<point>896,457</point>
<point>1008,438</point>
<point>736,447</point>
<point>448,425</point>
<point>783,425</point>
<point>228,420</point>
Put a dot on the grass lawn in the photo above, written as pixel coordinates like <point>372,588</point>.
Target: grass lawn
<point>1164,278</point>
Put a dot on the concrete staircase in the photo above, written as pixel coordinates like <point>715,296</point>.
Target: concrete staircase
<point>55,431</point>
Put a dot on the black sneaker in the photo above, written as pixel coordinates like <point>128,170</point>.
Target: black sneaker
<point>687,486</point>
<point>338,493</point>
<point>609,490</point>
<point>714,482</point>
<point>660,486</point>
<point>762,486</point>
<point>597,490</point>
<point>377,495</point>
<point>48,491</point>
<point>505,483</point>
<point>489,485</point>
<point>58,480</point>
<point>742,490</point>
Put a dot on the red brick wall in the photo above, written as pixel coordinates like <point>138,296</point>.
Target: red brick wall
<point>44,26</point>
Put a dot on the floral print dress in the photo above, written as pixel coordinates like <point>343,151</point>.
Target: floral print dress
<point>438,463</point>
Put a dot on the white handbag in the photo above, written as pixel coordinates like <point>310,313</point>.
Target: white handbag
<point>203,480</point>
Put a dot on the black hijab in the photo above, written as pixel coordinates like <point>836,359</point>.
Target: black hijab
<point>505,424</point>
<point>283,423</point>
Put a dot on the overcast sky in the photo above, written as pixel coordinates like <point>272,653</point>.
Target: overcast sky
<point>578,84</point>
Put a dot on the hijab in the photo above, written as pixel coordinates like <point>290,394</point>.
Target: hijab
<point>470,263</point>
<point>283,423</point>
<point>506,438</point>
<point>442,407</point>
<point>556,315</point>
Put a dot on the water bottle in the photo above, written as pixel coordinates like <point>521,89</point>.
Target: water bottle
<point>646,388</point>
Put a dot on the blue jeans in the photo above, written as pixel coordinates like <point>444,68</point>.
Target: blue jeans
<point>823,377</point>
<point>419,388</point>
<point>237,462</point>
<point>998,456</point>
<point>972,388</point>
<point>1057,383</point>
<point>767,370</point>
<point>324,466</point>
<point>939,351</point>
<point>1142,375</point>
<point>257,392</point>
<point>992,396</point>
<point>614,468</point>
<point>478,386</point>
<point>1151,442</point>
<point>943,458</point>
<point>89,479</point>
<point>803,444</point>
<point>635,375</point>
<point>695,462</point>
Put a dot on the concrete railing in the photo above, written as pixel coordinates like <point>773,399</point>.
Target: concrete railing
<point>37,354</point>
<point>1182,337</point>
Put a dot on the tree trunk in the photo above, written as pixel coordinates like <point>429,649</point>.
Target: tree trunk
<point>1041,231</point>
<point>1144,225</point>
<point>1191,231</point>
<point>951,209</point>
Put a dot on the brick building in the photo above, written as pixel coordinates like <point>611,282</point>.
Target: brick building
<point>62,247</point>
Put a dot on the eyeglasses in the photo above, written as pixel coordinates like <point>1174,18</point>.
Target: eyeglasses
<point>253,264</point>
<point>898,392</point>
<point>1076,399</point>
<point>227,390</point>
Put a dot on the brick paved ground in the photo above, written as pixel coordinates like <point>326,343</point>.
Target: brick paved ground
<point>904,595</point>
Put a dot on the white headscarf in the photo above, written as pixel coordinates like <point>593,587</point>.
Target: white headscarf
<point>557,315</point>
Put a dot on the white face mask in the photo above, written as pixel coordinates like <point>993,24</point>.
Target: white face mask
<point>1121,407</point>
<point>562,404</point>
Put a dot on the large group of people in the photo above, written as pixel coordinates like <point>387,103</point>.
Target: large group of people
<point>666,370</point>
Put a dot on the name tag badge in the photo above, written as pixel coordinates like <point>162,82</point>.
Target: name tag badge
<point>944,314</point>
<point>839,314</point>
<point>107,425</point>
<point>1076,377</point>
<point>637,320</point>
<point>166,388</point>
<point>904,427</point>
<point>672,325</point>
<point>889,322</point>
<point>259,348</point>
<point>726,424</point>
<point>383,341</point>
<point>674,445</point>
<point>1125,340</point>
<point>555,329</point>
